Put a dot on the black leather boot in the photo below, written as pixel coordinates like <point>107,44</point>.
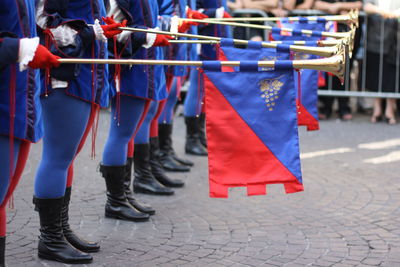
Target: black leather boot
<point>168,158</point>
<point>52,244</point>
<point>140,206</point>
<point>71,237</point>
<point>202,129</point>
<point>144,181</point>
<point>2,251</point>
<point>156,168</point>
<point>117,205</point>
<point>193,145</point>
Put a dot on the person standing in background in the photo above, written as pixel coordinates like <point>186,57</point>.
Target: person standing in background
<point>382,13</point>
<point>335,7</point>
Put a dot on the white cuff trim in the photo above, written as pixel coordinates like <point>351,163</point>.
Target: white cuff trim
<point>219,12</point>
<point>55,84</point>
<point>98,31</point>
<point>64,35</point>
<point>27,49</point>
<point>174,24</point>
<point>123,36</point>
<point>150,39</point>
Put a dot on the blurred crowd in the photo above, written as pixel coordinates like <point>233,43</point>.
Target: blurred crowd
<point>376,50</point>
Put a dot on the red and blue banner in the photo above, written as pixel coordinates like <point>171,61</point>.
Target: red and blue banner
<point>252,130</point>
<point>307,86</point>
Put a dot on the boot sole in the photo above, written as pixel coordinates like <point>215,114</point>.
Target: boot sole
<point>92,250</point>
<point>173,185</point>
<point>51,258</point>
<point>145,191</point>
<point>113,216</point>
<point>185,163</point>
<point>195,154</point>
<point>147,212</point>
<point>87,250</point>
<point>176,170</point>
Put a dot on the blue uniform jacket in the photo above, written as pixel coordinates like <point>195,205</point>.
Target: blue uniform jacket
<point>168,9</point>
<point>142,81</point>
<point>18,21</point>
<point>86,82</point>
<point>208,52</point>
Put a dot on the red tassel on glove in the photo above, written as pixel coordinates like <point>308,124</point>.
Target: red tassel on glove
<point>43,59</point>
<point>162,40</point>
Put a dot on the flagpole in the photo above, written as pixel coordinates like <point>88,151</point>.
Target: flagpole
<point>319,51</point>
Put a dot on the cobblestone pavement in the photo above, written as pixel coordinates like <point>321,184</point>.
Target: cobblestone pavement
<point>348,215</point>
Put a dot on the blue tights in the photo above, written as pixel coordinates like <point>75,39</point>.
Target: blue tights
<point>192,100</point>
<point>131,110</point>
<point>5,164</point>
<point>64,119</point>
<point>143,135</point>
<point>168,112</point>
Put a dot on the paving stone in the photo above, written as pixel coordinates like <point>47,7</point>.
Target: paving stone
<point>347,216</point>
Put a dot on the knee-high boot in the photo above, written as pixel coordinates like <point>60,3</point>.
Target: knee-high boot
<point>168,158</point>
<point>52,244</point>
<point>71,237</point>
<point>202,129</point>
<point>193,145</point>
<point>156,168</point>
<point>117,205</point>
<point>140,206</point>
<point>144,181</point>
<point>2,251</point>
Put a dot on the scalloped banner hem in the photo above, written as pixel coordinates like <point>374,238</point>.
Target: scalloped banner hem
<point>221,191</point>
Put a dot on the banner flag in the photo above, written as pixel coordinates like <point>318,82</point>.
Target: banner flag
<point>252,131</point>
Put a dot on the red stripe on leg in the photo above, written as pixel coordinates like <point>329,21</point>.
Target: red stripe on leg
<point>3,221</point>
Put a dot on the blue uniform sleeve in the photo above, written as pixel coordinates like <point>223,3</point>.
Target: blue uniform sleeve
<point>9,48</point>
<point>166,12</point>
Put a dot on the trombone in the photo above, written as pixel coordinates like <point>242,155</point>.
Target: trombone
<point>335,64</point>
<point>350,19</point>
<point>319,51</point>
<point>337,35</point>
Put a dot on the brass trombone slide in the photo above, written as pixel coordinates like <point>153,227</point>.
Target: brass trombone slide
<point>337,35</point>
<point>351,18</point>
<point>319,51</point>
<point>334,64</point>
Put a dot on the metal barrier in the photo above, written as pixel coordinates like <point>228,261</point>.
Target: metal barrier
<point>360,58</point>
